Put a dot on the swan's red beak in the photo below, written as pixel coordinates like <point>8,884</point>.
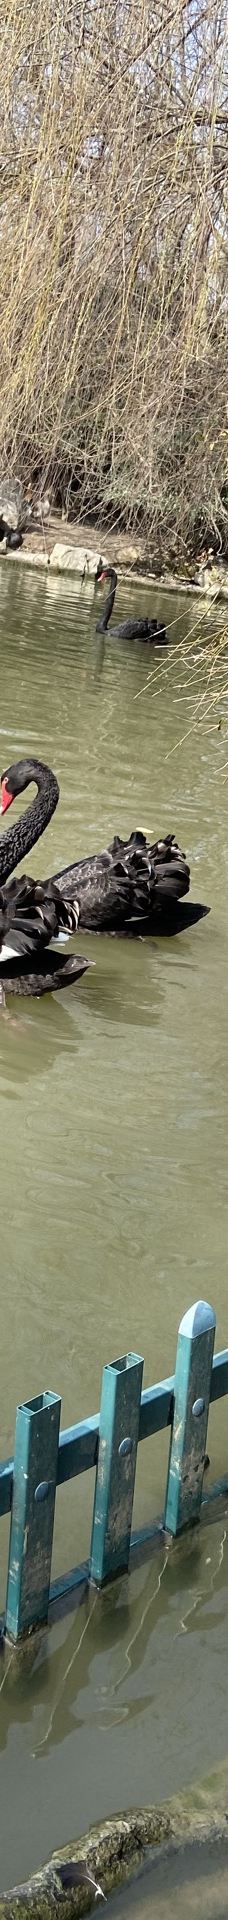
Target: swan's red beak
<point>6,797</point>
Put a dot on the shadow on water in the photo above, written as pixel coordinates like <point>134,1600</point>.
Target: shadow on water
<point>108,1620</point>
<point>103,1673</point>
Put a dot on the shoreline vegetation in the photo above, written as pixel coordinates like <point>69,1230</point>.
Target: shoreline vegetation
<point>113,298</point>
<point>74,548</point>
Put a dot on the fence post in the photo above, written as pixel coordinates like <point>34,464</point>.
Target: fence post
<point>115,1478</point>
<point>191,1406</point>
<point>32,1518</point>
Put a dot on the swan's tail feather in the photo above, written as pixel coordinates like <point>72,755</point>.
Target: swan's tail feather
<point>157,874</point>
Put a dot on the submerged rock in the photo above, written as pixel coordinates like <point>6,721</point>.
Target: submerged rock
<point>111,1852</point>
<point>115,1850</point>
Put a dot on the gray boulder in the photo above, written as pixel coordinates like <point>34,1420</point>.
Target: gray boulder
<point>74,559</point>
<point>11,498</point>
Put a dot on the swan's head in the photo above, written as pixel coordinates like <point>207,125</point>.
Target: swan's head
<point>16,778</point>
<point>105,573</point>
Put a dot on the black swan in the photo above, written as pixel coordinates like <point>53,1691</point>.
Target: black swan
<point>132,887</point>
<point>11,535</point>
<point>127,629</point>
<point>31,914</point>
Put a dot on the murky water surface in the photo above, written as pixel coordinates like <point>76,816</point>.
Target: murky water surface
<point>114,1204</point>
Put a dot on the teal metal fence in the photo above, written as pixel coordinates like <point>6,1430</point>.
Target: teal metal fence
<point>45,1459</point>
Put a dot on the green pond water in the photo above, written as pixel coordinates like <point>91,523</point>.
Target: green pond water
<point>114,1204</point>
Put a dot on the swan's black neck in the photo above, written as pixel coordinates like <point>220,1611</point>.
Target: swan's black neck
<point>102,624</point>
<point>15,844</point>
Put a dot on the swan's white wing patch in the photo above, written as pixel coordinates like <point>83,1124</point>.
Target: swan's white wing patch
<point>7,953</point>
<point>60,939</point>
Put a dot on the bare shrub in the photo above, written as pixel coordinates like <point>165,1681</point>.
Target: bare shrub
<point>113,138</point>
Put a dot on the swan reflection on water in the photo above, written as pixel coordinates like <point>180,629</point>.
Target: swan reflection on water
<point>119,993</point>
<point>32,1040</point>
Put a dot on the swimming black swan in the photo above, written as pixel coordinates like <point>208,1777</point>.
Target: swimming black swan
<point>32,914</point>
<point>127,629</point>
<point>132,887</point>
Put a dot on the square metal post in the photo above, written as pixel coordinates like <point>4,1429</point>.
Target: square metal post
<point>115,1479</point>
<point>195,1348</point>
<point>32,1518</point>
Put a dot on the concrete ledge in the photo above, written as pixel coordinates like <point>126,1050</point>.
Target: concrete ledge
<point>82,561</point>
<point>25,557</point>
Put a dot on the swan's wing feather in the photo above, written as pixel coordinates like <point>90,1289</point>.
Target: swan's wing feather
<point>32,914</point>
<point>130,880</point>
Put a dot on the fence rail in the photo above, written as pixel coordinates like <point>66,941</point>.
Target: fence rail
<point>45,1459</point>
